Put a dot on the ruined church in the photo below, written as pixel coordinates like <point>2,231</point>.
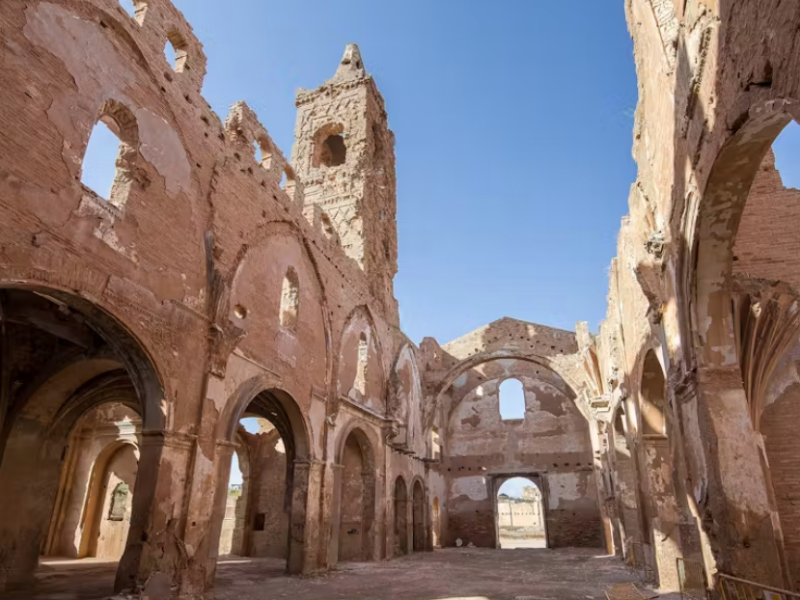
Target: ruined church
<point>224,305</point>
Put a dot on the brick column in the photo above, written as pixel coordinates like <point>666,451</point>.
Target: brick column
<point>156,558</point>
<point>304,531</point>
<point>736,509</point>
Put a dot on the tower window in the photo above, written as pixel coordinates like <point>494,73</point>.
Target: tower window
<point>329,147</point>
<point>290,299</point>
<point>334,152</point>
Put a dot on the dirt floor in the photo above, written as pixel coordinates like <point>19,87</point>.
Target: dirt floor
<point>450,574</point>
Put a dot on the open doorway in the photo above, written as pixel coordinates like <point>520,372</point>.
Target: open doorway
<point>520,514</point>
<point>256,522</point>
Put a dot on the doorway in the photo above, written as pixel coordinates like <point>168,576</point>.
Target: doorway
<point>520,515</point>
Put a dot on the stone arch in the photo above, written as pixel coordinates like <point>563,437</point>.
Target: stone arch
<point>400,516</point>
<point>75,505</point>
<point>373,337</point>
<point>259,396</point>
<point>531,517</point>
<point>567,389</point>
<point>355,505</point>
<point>93,512</point>
<point>329,147</point>
<point>713,320</point>
<point>404,403</point>
<point>571,383</point>
<point>289,418</point>
<point>227,309</point>
<point>102,361</point>
<point>652,396</point>
<point>126,350</point>
<point>716,220</point>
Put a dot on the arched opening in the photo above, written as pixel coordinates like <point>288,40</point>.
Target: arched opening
<point>400,517</point>
<point>69,441</point>
<point>92,512</point>
<point>107,171</point>
<point>520,514</point>
<point>512,400</point>
<point>653,396</point>
<point>176,51</point>
<point>420,531</point>
<point>330,149</point>
<point>112,516</point>
<point>290,299</point>
<point>333,152</point>
<point>437,524</point>
<point>356,506</point>
<point>257,504</point>
<point>743,264</point>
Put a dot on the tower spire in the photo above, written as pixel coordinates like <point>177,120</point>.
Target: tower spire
<point>351,65</point>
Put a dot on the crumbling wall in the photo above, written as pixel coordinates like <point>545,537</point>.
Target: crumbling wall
<point>778,426</point>
<point>766,245</point>
<point>269,524</point>
<point>552,441</point>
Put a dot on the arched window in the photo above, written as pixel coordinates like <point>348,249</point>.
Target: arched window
<point>110,157</point>
<point>176,51</point>
<point>329,147</point>
<point>290,299</point>
<point>333,152</point>
<point>652,396</point>
<point>512,400</point>
<point>361,372</point>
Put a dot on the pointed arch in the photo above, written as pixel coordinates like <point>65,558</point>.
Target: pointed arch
<point>570,385</point>
<point>359,321</point>
<point>256,240</point>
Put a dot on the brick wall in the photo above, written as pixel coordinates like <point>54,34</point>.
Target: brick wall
<point>767,244</point>
<point>779,427</point>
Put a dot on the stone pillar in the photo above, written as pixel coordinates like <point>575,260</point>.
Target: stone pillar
<point>335,515</point>
<point>304,533</point>
<point>599,439</point>
<point>29,478</point>
<point>662,509</point>
<point>156,559</point>
<point>732,484</point>
<point>208,545</point>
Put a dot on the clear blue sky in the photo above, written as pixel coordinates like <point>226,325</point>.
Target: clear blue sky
<point>513,122</point>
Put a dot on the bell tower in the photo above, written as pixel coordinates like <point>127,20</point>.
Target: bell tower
<point>344,155</point>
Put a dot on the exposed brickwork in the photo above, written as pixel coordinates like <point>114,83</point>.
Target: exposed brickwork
<point>779,428</point>
<point>767,244</point>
